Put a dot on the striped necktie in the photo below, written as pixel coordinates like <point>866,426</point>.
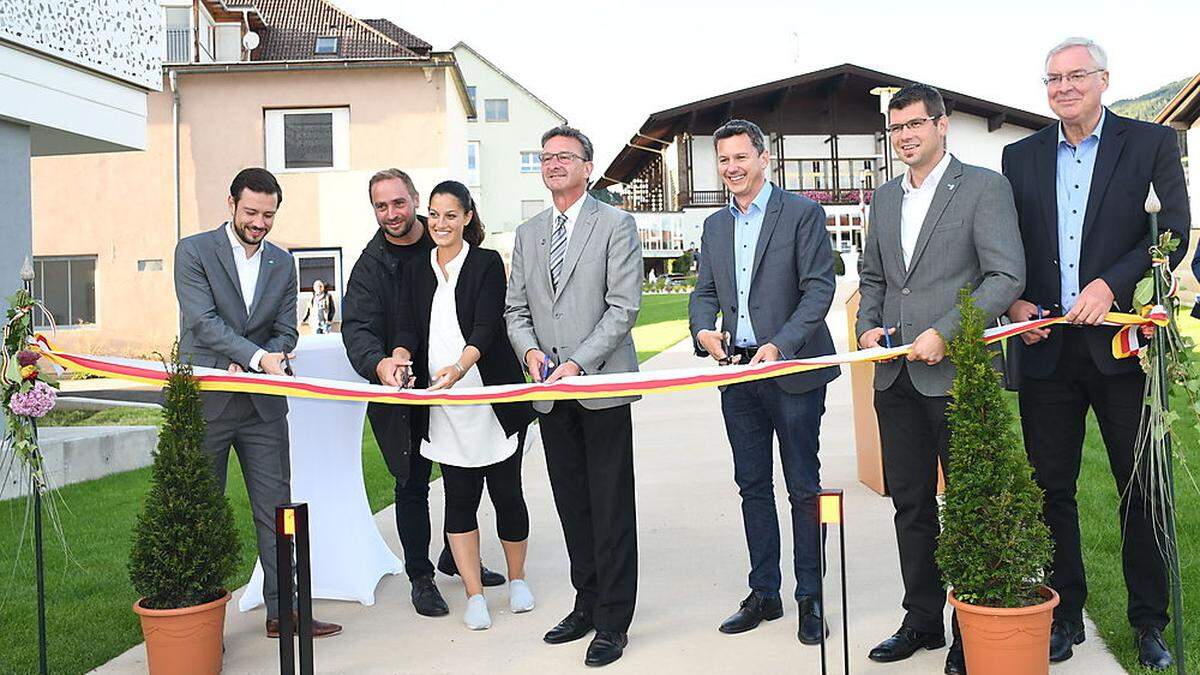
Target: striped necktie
<point>558,249</point>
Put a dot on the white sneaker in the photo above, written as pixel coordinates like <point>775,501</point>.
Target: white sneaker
<point>476,617</point>
<point>520,598</point>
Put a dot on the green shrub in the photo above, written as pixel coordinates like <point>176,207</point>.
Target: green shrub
<point>994,546</point>
<point>185,545</point>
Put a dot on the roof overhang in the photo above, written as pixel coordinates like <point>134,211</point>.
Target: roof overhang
<point>793,106</point>
<point>1182,111</point>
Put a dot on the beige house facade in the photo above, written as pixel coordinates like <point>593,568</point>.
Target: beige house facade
<point>322,126</point>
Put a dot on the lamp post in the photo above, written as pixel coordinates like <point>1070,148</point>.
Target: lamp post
<point>39,563</point>
<point>885,95</point>
<point>1153,206</point>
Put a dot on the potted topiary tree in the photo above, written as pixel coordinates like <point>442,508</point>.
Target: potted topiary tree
<point>185,545</point>
<point>994,546</point>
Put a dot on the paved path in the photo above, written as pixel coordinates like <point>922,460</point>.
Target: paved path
<point>693,567</point>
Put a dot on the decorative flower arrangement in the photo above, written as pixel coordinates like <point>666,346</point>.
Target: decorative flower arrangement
<point>25,394</point>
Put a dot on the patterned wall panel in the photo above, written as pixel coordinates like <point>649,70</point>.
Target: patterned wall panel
<point>120,38</point>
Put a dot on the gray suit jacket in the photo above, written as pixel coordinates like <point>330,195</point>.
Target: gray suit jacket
<point>969,238</point>
<point>214,327</point>
<point>791,284</point>
<point>589,319</point>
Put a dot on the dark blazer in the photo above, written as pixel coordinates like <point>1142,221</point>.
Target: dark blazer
<point>369,318</point>
<point>1116,238</point>
<point>479,299</point>
<point>791,285</point>
<point>215,329</point>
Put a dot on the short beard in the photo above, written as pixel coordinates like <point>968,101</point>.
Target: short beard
<point>407,229</point>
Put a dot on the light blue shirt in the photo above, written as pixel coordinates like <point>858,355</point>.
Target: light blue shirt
<point>746,227</point>
<point>1073,180</point>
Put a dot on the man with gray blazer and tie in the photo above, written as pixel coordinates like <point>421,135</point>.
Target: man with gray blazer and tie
<point>941,226</point>
<point>768,271</point>
<point>573,295</point>
<point>237,310</point>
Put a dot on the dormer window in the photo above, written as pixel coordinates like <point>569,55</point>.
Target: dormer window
<point>327,45</point>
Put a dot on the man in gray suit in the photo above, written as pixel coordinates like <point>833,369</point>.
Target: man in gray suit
<point>768,271</point>
<point>573,296</point>
<point>938,228</point>
<point>237,309</point>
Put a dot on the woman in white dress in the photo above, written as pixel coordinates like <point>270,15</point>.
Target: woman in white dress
<point>452,331</point>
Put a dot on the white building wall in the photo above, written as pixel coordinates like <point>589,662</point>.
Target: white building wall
<point>970,141</point>
<point>502,186</point>
<point>704,164</point>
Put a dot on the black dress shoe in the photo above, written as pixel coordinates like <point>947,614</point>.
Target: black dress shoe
<point>812,622</point>
<point>606,647</point>
<point>755,609</point>
<point>1152,649</point>
<point>904,644</point>
<point>956,663</point>
<point>427,599</point>
<point>574,626</point>
<point>486,577</point>
<point>1064,635</point>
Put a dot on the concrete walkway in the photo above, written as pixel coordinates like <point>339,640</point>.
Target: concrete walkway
<point>693,566</point>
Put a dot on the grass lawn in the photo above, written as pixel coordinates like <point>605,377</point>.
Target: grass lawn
<point>89,598</point>
<point>1098,512</point>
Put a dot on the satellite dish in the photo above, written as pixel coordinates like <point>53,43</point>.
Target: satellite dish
<point>250,40</point>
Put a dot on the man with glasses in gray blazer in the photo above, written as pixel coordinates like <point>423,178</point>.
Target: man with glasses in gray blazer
<point>573,295</point>
<point>938,228</point>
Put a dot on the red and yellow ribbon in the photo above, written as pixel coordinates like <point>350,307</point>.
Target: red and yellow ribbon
<point>591,386</point>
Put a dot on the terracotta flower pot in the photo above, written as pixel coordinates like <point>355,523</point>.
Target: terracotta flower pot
<point>187,641</point>
<point>1004,640</point>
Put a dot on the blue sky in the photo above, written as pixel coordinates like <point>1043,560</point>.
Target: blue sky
<point>606,66</point>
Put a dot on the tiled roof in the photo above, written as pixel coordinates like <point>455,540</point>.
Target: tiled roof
<point>400,35</point>
<point>293,27</point>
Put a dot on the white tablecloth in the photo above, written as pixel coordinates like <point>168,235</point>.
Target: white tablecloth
<point>349,556</point>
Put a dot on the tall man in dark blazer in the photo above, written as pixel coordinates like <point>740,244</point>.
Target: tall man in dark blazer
<point>237,310</point>
<point>1080,188</point>
<point>941,226</point>
<point>574,291</point>
<point>370,331</point>
<point>768,271</point>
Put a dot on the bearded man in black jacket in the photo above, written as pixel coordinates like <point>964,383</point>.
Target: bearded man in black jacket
<point>369,316</point>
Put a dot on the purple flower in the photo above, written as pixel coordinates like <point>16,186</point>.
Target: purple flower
<point>33,403</point>
<point>27,358</point>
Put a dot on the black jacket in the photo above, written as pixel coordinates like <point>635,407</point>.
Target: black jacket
<point>1116,238</point>
<point>479,300</point>
<point>370,309</point>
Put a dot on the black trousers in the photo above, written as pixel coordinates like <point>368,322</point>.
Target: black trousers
<point>464,490</point>
<point>412,518</point>
<point>589,456</point>
<point>1053,416</point>
<point>914,435</point>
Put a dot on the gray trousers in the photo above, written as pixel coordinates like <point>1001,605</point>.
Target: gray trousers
<point>262,451</point>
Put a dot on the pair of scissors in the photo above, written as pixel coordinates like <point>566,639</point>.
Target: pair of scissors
<point>405,377</point>
<point>729,359</point>
<point>547,365</point>
<point>887,336</point>
<point>287,365</point>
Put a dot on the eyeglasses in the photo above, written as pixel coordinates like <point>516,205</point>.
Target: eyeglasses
<point>563,157</point>
<point>1073,77</point>
<point>911,125</point>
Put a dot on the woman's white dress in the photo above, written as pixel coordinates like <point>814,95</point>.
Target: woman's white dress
<point>459,435</point>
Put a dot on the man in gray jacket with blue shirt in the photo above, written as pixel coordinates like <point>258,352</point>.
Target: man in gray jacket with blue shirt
<point>768,271</point>
<point>237,311</point>
<point>940,227</point>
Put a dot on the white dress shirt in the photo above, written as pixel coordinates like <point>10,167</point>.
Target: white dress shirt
<point>459,435</point>
<point>916,205</point>
<point>247,271</point>
<point>572,214</point>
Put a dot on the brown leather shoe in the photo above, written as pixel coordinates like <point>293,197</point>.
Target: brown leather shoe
<point>319,628</point>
